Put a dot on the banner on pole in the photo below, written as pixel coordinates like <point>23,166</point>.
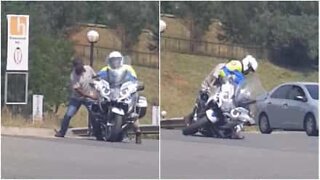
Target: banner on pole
<point>18,42</point>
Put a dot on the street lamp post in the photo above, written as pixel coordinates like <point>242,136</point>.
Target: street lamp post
<point>93,37</point>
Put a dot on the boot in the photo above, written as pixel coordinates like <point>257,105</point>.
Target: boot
<point>58,134</point>
<point>138,137</point>
<point>237,135</point>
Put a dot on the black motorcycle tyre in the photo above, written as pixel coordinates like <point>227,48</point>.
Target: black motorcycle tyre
<point>114,133</point>
<point>194,127</point>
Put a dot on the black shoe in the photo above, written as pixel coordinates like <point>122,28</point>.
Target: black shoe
<point>99,138</point>
<point>138,138</point>
<point>58,134</point>
<point>125,137</point>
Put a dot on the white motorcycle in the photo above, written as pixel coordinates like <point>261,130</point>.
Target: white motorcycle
<point>226,111</point>
<point>116,109</point>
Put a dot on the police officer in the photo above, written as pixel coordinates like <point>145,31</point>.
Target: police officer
<point>115,63</point>
<point>236,68</point>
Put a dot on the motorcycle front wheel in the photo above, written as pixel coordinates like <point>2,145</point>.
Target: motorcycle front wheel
<point>194,127</point>
<point>114,132</point>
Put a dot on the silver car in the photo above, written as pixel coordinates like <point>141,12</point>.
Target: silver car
<point>290,106</point>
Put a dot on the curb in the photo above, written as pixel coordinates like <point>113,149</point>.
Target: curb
<point>34,132</point>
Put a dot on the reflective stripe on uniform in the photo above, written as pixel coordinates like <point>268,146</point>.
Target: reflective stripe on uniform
<point>125,66</point>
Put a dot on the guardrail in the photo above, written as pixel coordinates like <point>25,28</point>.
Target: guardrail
<point>172,123</point>
<point>145,129</point>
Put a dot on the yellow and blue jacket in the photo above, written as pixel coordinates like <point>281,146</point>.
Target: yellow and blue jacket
<point>233,67</point>
<point>103,73</point>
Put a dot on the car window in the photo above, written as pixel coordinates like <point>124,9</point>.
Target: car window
<point>295,91</point>
<point>313,91</point>
<point>281,92</point>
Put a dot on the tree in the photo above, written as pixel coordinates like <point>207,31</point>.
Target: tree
<point>290,28</point>
<point>49,52</point>
<point>50,70</point>
<point>196,15</point>
<point>129,18</point>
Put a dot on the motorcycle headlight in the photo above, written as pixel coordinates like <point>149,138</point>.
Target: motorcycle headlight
<point>124,92</point>
<point>107,91</point>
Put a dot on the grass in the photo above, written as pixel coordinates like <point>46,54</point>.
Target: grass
<point>182,74</point>
<point>8,119</point>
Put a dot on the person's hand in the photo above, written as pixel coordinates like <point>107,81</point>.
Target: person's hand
<point>93,96</point>
<point>204,94</point>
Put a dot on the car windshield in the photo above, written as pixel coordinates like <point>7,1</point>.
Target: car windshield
<point>313,91</point>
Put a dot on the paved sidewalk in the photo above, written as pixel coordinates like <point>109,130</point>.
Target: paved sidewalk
<point>35,132</point>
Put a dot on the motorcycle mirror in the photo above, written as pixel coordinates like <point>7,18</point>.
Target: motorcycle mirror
<point>140,86</point>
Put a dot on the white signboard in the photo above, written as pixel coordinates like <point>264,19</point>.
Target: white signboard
<point>155,115</point>
<point>18,42</point>
<point>37,107</point>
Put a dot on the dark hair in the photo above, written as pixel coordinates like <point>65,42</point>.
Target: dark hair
<point>77,62</point>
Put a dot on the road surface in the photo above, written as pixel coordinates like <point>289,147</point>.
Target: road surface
<point>278,155</point>
<point>26,157</point>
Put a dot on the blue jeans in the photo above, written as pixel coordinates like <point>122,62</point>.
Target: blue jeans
<point>73,107</point>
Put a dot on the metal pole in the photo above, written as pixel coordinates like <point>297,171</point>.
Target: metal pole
<point>91,53</point>
<point>89,114</point>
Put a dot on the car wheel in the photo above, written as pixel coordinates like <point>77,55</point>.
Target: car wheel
<point>310,125</point>
<point>264,125</point>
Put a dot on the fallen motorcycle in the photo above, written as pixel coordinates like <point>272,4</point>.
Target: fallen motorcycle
<point>225,112</point>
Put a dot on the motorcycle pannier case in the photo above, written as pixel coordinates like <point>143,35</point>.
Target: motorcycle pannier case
<point>142,106</point>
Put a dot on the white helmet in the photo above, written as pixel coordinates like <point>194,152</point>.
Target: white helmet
<point>249,63</point>
<point>115,60</point>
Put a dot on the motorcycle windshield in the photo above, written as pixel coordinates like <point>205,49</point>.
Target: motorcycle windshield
<point>116,79</point>
<point>249,90</point>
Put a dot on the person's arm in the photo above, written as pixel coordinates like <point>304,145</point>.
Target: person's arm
<point>102,73</point>
<point>132,72</point>
<point>132,77</point>
<point>82,93</point>
<point>77,87</point>
<point>211,79</point>
<point>92,71</point>
<point>206,83</point>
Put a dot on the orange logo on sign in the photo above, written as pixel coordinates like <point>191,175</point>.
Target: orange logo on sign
<point>18,26</point>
